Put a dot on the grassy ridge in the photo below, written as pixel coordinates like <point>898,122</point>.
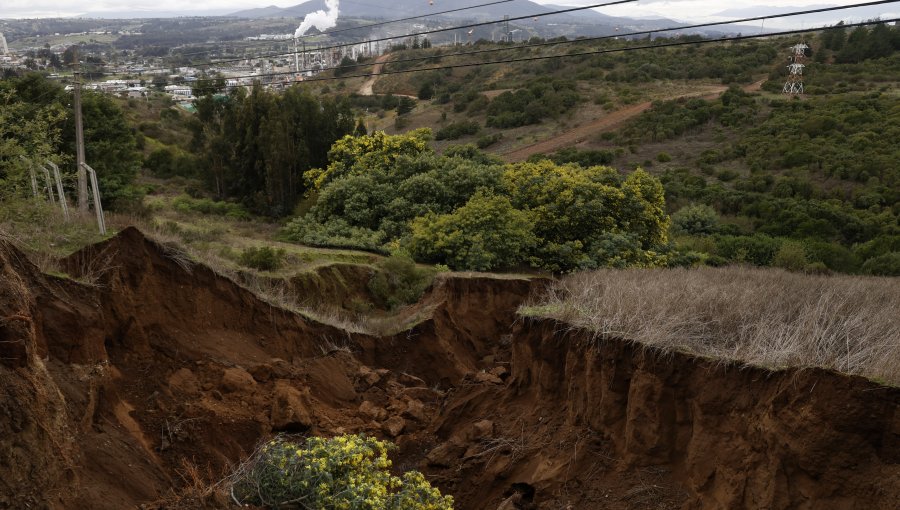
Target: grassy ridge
<point>769,318</point>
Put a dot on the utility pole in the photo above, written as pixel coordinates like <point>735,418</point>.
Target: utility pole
<point>79,142</point>
<point>794,83</point>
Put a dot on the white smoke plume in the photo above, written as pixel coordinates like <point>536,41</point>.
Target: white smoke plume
<point>323,20</point>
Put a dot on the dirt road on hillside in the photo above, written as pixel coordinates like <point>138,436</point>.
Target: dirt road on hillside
<point>366,89</point>
<point>606,123</point>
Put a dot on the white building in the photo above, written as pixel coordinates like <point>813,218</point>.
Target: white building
<point>179,92</point>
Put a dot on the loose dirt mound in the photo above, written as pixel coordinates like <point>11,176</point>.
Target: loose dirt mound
<point>114,390</point>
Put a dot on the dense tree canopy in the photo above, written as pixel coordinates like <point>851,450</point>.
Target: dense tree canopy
<point>38,124</point>
<point>256,146</point>
<point>469,211</point>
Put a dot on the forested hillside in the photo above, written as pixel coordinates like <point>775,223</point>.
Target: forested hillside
<point>751,176</point>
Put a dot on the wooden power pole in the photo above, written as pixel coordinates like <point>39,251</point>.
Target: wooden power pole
<point>79,143</point>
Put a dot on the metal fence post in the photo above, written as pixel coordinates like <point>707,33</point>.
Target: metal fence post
<point>98,208</point>
<point>59,190</point>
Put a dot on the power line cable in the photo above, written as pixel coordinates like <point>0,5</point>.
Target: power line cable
<point>426,32</point>
<point>615,36</point>
<point>578,54</point>
<point>583,40</point>
<point>382,23</point>
<point>604,51</point>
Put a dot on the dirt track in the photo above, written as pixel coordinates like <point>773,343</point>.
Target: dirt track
<point>107,390</point>
<point>602,125</point>
<point>366,88</point>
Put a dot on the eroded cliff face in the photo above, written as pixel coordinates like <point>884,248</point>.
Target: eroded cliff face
<point>111,392</point>
<point>731,436</point>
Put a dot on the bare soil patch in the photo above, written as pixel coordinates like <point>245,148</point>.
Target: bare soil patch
<point>109,391</point>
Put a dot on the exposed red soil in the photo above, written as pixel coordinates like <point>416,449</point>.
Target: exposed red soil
<point>107,390</point>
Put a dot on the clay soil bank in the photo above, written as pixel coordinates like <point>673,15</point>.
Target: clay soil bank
<point>111,393</point>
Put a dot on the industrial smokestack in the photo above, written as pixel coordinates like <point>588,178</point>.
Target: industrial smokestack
<point>322,20</point>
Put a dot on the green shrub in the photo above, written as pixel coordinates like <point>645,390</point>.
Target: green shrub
<point>186,204</point>
<point>345,472</point>
<point>663,157</point>
<point>426,91</point>
<point>791,256</point>
<point>398,281</point>
<point>457,130</point>
<point>572,155</point>
<point>695,220</point>
<point>758,249</point>
<point>883,265</point>
<point>263,258</point>
<point>486,141</point>
<point>486,233</point>
<point>333,233</point>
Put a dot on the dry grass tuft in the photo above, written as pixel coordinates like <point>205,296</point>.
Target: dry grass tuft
<point>764,317</point>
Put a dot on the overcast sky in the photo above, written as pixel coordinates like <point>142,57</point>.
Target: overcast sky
<point>699,10</point>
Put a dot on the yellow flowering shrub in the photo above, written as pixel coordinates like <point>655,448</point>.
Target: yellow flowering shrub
<point>360,154</point>
<point>350,472</point>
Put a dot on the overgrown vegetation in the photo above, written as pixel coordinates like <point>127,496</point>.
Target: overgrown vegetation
<point>345,472</point>
<point>810,185</point>
<point>36,123</point>
<point>254,147</point>
<point>542,98</point>
<point>468,211</point>
<point>768,318</point>
<point>399,281</point>
<point>264,258</point>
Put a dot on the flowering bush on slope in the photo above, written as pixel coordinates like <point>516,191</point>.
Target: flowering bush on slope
<point>349,472</point>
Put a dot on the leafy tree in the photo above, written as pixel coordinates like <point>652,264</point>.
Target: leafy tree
<point>257,146</point>
<point>540,99</point>
<point>347,64</point>
<point>358,154</point>
<point>574,209</point>
<point>426,91</point>
<point>208,86</point>
<point>883,265</point>
<point>394,189</point>
<point>486,233</point>
<point>110,148</point>
<point>697,219</point>
<point>405,105</point>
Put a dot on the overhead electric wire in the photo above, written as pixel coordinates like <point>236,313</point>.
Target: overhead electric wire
<point>567,55</point>
<point>615,50</point>
<point>426,32</point>
<point>607,37</point>
<point>382,23</point>
<point>590,39</point>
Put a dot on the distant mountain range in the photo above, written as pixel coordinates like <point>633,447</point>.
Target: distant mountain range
<point>859,13</point>
<point>409,8</point>
<point>591,22</point>
<point>400,9</point>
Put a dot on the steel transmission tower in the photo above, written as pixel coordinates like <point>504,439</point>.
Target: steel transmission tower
<point>794,83</point>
